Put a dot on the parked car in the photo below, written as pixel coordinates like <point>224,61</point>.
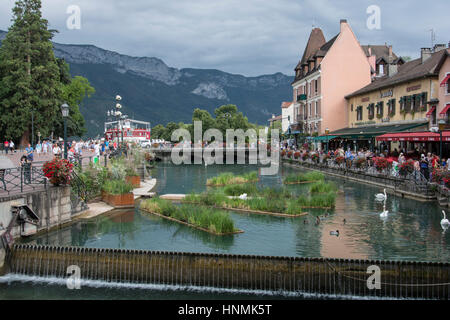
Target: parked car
<point>146,144</point>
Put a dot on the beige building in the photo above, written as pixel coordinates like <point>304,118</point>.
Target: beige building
<point>405,99</point>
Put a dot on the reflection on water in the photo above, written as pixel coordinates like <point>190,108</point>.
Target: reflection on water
<point>410,232</point>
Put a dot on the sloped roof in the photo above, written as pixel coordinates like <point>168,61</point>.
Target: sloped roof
<point>276,118</point>
<point>286,104</point>
<point>380,51</point>
<point>315,41</point>
<point>409,71</point>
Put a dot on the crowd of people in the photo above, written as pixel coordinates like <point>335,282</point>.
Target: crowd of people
<point>423,161</point>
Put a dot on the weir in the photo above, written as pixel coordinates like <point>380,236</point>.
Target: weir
<point>329,277</point>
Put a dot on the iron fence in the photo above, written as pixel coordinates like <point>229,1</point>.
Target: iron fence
<point>28,177</point>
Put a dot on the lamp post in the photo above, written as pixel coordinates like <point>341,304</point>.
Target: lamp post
<point>441,124</point>
<point>118,115</point>
<point>65,114</point>
<point>327,132</point>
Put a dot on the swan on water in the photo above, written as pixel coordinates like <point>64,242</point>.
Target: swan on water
<point>381,196</point>
<point>243,196</point>
<point>384,214</point>
<point>334,233</point>
<point>444,222</point>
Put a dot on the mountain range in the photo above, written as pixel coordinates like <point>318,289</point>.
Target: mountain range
<point>152,91</point>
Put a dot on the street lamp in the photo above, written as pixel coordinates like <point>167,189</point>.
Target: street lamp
<point>441,124</point>
<point>65,114</point>
<point>327,132</point>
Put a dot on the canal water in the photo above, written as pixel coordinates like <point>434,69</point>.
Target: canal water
<point>411,231</point>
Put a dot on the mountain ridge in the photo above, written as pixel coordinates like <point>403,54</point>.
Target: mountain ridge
<point>156,92</point>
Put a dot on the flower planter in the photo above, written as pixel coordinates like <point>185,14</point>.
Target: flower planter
<point>134,180</point>
<point>119,200</point>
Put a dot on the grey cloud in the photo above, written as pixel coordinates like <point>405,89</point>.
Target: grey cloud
<point>249,37</point>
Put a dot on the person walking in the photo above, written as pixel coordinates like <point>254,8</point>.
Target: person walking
<point>56,151</point>
<point>6,144</point>
<point>29,152</point>
<point>424,167</point>
<point>11,146</point>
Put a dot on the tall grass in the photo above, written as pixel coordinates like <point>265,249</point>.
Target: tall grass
<point>323,187</point>
<point>216,221</point>
<point>117,187</point>
<point>228,178</point>
<point>326,200</point>
<point>238,189</point>
<point>304,177</point>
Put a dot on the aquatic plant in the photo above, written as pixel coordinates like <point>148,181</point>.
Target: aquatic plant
<point>323,187</point>
<point>228,178</point>
<point>303,178</point>
<point>214,220</point>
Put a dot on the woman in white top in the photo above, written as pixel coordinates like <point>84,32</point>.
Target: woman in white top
<point>56,150</point>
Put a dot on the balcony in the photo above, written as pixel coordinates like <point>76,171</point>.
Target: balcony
<point>301,97</point>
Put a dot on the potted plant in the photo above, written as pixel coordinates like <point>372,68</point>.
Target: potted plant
<point>406,167</point>
<point>132,177</point>
<point>58,171</point>
<point>380,163</point>
<point>296,154</point>
<point>361,163</point>
<point>289,154</point>
<point>315,157</point>
<point>339,160</point>
<point>117,193</point>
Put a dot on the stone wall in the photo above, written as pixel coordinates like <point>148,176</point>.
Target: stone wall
<point>53,206</point>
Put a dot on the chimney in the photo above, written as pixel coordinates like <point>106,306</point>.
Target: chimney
<point>425,53</point>
<point>439,47</point>
<point>342,22</point>
<point>392,69</point>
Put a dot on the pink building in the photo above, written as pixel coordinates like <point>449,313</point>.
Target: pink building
<point>327,72</point>
<point>443,108</point>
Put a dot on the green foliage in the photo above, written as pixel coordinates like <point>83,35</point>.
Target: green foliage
<point>228,178</point>
<point>158,132</point>
<point>33,82</point>
<point>217,221</point>
<point>93,177</point>
<point>117,187</point>
<point>326,200</point>
<point>301,178</point>
<point>323,187</point>
<point>118,169</point>
<point>238,189</point>
<point>29,73</point>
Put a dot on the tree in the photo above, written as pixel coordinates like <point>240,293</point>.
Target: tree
<point>158,132</point>
<point>73,94</point>
<point>205,117</point>
<point>170,127</point>
<point>29,73</point>
<point>228,117</point>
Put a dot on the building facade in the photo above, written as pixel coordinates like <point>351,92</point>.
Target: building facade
<point>408,98</point>
<point>326,73</point>
<point>287,115</point>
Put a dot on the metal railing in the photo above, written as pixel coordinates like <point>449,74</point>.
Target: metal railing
<point>22,179</point>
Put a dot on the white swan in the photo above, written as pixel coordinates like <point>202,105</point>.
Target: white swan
<point>445,222</point>
<point>381,196</point>
<point>384,214</point>
<point>243,196</point>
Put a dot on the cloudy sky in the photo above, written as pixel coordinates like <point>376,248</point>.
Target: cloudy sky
<point>249,37</point>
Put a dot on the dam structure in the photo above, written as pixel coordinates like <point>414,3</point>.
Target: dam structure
<point>321,277</point>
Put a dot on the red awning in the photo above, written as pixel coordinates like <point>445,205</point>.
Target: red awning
<point>445,80</point>
<point>444,111</point>
<point>431,111</point>
<point>414,136</point>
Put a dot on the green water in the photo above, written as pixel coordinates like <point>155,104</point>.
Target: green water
<point>412,231</point>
